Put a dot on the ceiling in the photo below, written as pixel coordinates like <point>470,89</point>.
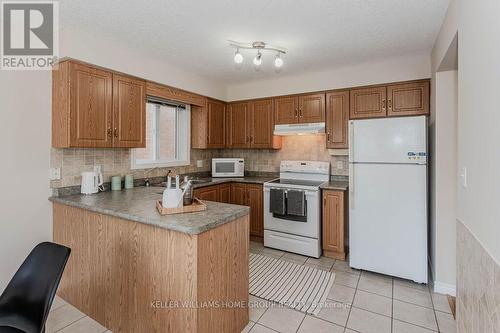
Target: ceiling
<point>318,34</point>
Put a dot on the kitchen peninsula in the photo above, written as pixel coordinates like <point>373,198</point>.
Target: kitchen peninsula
<point>134,270</point>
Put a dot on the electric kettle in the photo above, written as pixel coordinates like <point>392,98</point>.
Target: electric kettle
<point>91,182</point>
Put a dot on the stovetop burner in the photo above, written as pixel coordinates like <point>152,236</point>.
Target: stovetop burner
<point>297,182</point>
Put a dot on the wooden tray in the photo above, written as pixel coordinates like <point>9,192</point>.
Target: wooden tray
<point>196,206</point>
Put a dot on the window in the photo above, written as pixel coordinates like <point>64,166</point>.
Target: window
<point>167,136</point>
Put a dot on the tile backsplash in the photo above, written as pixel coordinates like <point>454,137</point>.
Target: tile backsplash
<point>298,147</point>
<point>117,161</point>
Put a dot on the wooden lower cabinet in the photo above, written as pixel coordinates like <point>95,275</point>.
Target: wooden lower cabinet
<point>209,193</point>
<point>225,193</point>
<point>243,194</point>
<point>334,224</point>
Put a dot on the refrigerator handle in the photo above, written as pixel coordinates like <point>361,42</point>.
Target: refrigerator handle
<point>351,185</point>
<point>351,141</point>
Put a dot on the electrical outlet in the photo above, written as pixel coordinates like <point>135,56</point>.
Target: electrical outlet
<point>199,163</point>
<point>340,165</point>
<point>54,173</point>
<point>97,168</point>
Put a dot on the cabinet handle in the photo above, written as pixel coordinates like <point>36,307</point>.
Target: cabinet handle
<point>324,202</point>
<point>110,132</point>
<point>296,113</point>
<point>116,132</point>
<point>251,138</point>
<point>383,104</point>
<point>300,113</point>
<point>389,104</point>
<point>328,136</point>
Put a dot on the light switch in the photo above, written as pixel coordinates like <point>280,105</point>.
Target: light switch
<point>340,165</point>
<point>199,163</point>
<point>463,177</point>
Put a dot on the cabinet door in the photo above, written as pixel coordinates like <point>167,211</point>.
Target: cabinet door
<point>210,193</point>
<point>312,108</point>
<point>368,103</point>
<point>225,193</point>
<point>238,194</point>
<point>261,124</point>
<point>337,118</point>
<point>90,107</point>
<point>216,124</point>
<point>333,221</point>
<point>129,112</point>
<point>238,118</point>
<point>286,110</point>
<point>408,99</point>
<point>255,201</point>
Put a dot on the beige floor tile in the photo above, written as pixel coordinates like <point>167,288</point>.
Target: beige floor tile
<point>446,322</point>
<point>410,284</point>
<point>373,302</point>
<point>402,327</point>
<point>377,276</point>
<point>375,285</point>
<point>57,303</point>
<point>345,279</point>
<point>248,327</point>
<point>347,330</point>
<point>440,302</point>
<point>344,267</point>
<point>257,307</point>
<point>322,261</point>
<point>296,258</point>
<point>84,325</point>
<point>342,294</point>
<point>272,252</point>
<point>414,314</point>
<point>323,268</point>
<point>368,322</point>
<point>412,295</point>
<point>282,319</point>
<point>311,324</point>
<point>261,329</point>
<point>62,317</point>
<point>335,312</point>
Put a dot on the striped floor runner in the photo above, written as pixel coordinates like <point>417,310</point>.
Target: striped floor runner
<point>299,287</point>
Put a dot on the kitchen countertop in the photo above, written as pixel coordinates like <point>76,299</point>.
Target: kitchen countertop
<point>216,181</point>
<point>139,205</point>
<point>335,185</point>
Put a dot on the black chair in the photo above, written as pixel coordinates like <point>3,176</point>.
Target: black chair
<point>26,302</point>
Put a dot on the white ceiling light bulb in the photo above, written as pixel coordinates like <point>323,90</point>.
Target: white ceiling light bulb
<point>257,61</point>
<point>238,57</point>
<point>278,62</point>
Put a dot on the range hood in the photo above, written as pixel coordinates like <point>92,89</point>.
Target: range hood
<point>298,129</point>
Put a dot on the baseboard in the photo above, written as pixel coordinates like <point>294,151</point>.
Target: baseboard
<point>445,288</point>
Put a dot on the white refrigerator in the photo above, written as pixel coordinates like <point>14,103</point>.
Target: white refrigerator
<point>388,196</point>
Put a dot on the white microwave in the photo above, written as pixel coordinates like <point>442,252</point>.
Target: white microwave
<point>228,167</point>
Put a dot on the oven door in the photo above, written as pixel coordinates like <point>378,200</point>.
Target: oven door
<point>308,227</point>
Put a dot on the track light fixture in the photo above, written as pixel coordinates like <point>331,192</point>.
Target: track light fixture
<point>259,46</point>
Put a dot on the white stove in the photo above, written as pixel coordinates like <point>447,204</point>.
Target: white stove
<point>292,207</point>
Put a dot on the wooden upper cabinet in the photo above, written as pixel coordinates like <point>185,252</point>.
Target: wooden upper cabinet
<point>129,112</point>
<point>237,120</point>
<point>334,224</point>
<point>96,108</point>
<point>368,103</point>
<point>216,124</point>
<point>337,119</point>
<point>261,123</point>
<point>82,106</point>
<point>311,108</point>
<point>408,99</point>
<point>286,110</point>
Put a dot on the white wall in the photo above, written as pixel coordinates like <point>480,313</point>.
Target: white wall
<point>25,133</point>
<point>478,116</point>
<point>25,212</point>
<point>381,71</point>
<point>443,185</point>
